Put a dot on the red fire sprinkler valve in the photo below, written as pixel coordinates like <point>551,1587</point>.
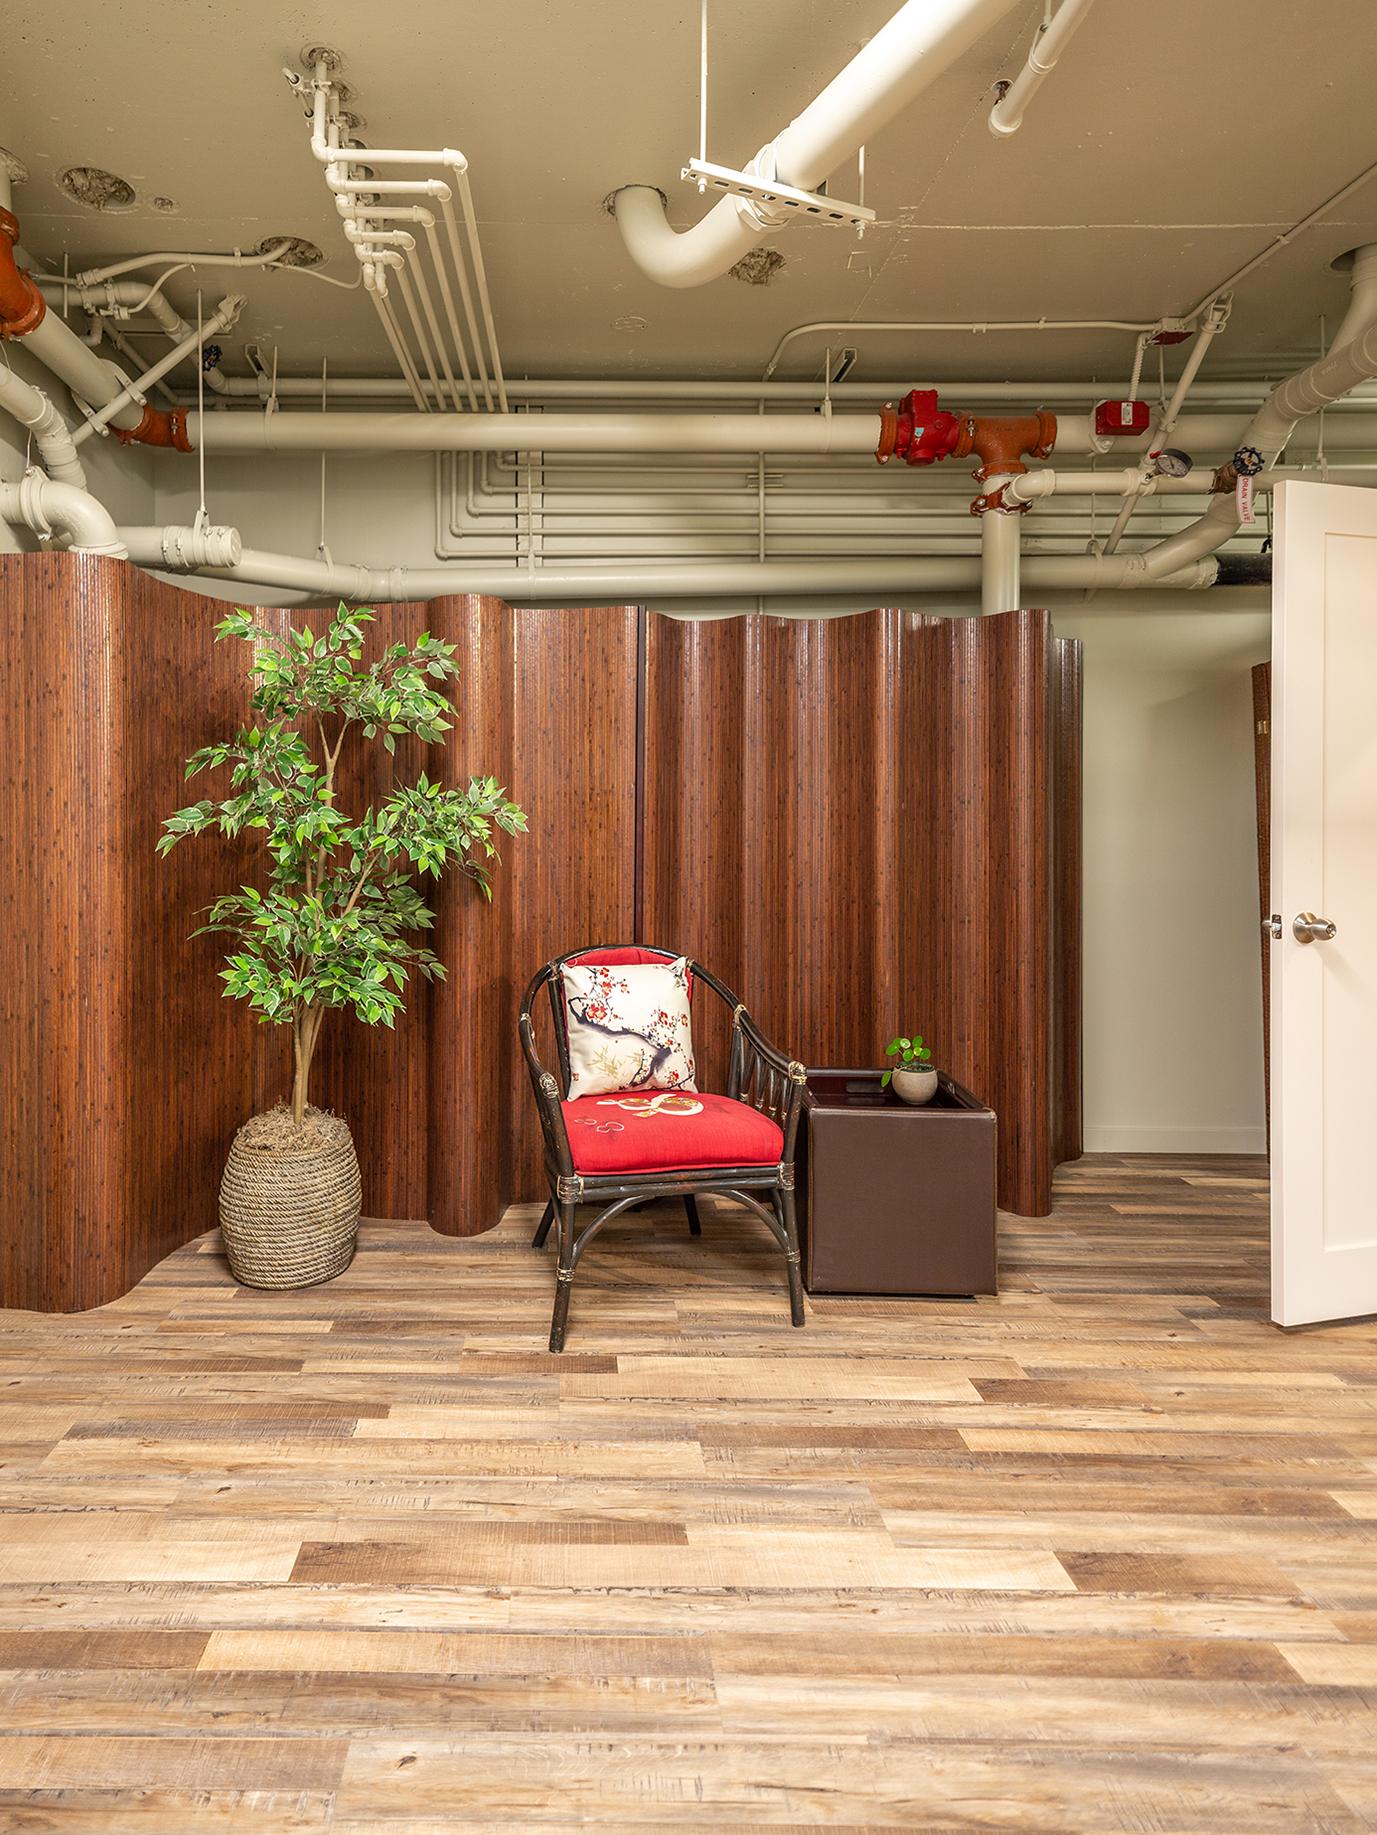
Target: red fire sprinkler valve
<point>1115,418</point>
<point>917,431</point>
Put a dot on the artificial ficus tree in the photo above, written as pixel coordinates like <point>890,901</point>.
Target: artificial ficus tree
<point>335,925</point>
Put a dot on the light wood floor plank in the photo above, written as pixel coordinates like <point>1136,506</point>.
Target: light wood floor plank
<point>1096,1557</point>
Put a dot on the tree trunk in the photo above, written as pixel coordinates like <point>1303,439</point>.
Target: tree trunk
<point>305,1032</point>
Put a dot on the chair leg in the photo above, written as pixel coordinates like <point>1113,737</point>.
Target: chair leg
<point>564,1277</point>
<point>691,1206</point>
<point>543,1227</point>
<point>784,1204</point>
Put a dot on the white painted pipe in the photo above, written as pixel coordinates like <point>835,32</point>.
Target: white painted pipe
<point>630,585</point>
<point>1316,387</point>
<point>44,505</point>
<point>235,258</point>
<point>224,316</point>
<point>1165,424</point>
<point>849,329</point>
<point>674,433</point>
<point>32,409</point>
<point>617,388</point>
<point>1362,296</point>
<point>917,46</point>
<point>1000,538</point>
<point>88,376</point>
<point>181,549</point>
<point>115,299</point>
<point>1006,117</point>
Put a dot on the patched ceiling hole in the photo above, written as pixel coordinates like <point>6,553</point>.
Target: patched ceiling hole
<point>96,188</point>
<point>758,268</point>
<point>166,205</point>
<point>299,253</point>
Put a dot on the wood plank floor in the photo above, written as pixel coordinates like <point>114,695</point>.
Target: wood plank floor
<point>1099,1555</point>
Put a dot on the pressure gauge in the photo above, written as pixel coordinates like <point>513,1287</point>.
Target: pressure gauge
<point>1172,463</point>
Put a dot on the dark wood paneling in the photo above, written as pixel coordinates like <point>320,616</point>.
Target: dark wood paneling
<point>126,1072</point>
<point>548,702</point>
<point>869,823</point>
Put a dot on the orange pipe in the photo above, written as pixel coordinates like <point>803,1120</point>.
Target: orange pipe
<point>159,427</point>
<point>1001,442</point>
<point>21,304</point>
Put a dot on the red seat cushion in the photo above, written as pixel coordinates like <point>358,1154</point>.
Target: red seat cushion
<point>666,1130</point>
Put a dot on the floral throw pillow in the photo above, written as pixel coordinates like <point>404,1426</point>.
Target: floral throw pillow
<point>629,1027</point>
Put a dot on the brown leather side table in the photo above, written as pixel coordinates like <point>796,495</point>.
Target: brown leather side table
<point>895,1199</point>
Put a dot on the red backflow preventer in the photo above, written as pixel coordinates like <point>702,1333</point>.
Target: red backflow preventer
<point>917,431</point>
<point>920,433</point>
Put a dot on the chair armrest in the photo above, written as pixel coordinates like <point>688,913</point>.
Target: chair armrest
<point>545,1086</point>
<point>763,1076</point>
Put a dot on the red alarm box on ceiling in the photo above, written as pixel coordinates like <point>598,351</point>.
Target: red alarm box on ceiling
<point>1113,418</point>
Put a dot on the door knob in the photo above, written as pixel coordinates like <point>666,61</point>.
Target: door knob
<point>1308,928</point>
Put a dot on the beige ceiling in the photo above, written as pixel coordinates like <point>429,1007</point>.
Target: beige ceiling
<point>1175,142</point>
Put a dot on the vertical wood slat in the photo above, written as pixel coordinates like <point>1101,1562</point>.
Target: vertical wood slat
<point>873,822</point>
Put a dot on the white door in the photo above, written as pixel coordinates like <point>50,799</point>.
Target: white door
<point>1324,868</point>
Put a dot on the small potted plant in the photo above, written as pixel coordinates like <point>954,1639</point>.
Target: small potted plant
<point>913,1078</point>
<point>333,926</point>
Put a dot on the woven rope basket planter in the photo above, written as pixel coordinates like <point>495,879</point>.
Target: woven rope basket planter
<point>289,1200</point>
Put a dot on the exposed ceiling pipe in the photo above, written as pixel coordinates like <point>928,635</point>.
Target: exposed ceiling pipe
<point>1348,363</point>
<point>851,328</point>
<point>1000,561</point>
<point>1006,117</point>
<point>49,507</point>
<point>235,258</point>
<point>674,433</point>
<point>179,549</point>
<point>118,299</point>
<point>1362,295</point>
<point>343,431</point>
<point>34,412</point>
<point>618,586</point>
<point>24,313</point>
<point>918,45</point>
<point>261,386</point>
<point>222,319</point>
<point>1216,319</point>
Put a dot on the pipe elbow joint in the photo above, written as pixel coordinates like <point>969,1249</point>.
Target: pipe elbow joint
<point>158,427</point>
<point>672,258</point>
<point>22,305</point>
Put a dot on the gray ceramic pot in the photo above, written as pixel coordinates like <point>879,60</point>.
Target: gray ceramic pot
<point>914,1086</point>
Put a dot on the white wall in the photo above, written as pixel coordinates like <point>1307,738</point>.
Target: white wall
<point>1173,999</point>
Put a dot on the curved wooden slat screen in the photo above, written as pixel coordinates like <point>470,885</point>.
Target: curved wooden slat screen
<point>851,819</point>
<point>871,823</point>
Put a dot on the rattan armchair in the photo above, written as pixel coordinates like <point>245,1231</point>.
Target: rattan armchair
<point>735,1145</point>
